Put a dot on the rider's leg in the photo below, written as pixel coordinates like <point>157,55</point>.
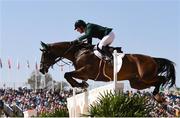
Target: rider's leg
<point>106,40</point>
<point>107,52</point>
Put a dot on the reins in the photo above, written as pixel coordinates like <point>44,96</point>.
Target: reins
<point>60,58</point>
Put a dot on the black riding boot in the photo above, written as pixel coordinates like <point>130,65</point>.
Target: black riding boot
<point>107,52</point>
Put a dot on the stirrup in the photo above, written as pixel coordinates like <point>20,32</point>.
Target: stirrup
<point>109,57</point>
<point>110,61</point>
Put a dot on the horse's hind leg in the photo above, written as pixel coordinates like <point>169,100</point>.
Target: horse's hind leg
<point>161,81</point>
<point>146,69</point>
<point>138,84</point>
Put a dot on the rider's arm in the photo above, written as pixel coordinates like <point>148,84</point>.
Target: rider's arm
<point>87,35</point>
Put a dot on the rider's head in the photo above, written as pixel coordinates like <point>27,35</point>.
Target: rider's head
<point>80,26</point>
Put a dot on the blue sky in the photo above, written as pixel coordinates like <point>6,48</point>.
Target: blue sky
<point>150,27</point>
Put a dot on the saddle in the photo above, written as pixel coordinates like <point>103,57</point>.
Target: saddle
<point>107,52</point>
<point>95,47</point>
<point>98,52</point>
<point>111,49</point>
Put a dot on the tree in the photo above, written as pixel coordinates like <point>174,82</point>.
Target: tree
<point>60,85</point>
<point>48,78</point>
<point>38,77</point>
<point>47,84</point>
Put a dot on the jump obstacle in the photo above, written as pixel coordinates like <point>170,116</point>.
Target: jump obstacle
<point>78,104</point>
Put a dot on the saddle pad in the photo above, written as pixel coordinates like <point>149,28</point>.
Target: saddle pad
<point>98,54</point>
<point>119,58</point>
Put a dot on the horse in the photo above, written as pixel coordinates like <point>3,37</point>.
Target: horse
<point>142,71</point>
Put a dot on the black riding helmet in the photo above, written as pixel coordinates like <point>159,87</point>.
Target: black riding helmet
<point>79,23</point>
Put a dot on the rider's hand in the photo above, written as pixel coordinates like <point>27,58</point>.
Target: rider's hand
<point>77,41</point>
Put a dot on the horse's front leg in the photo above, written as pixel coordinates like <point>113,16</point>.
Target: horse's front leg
<point>70,79</point>
<point>79,74</point>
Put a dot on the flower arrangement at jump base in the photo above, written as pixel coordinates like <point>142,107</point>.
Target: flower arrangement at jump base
<point>62,112</point>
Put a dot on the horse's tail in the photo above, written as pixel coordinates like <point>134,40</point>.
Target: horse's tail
<point>166,68</point>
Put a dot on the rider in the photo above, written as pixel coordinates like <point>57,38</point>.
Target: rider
<point>105,34</point>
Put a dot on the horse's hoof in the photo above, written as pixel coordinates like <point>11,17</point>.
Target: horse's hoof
<point>84,85</point>
<point>85,89</point>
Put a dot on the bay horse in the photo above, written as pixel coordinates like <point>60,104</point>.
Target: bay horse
<point>142,71</point>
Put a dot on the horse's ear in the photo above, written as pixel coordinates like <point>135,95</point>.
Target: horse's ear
<point>43,50</point>
<point>45,46</point>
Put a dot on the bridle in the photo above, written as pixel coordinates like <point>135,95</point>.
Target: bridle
<point>62,57</point>
<point>67,51</point>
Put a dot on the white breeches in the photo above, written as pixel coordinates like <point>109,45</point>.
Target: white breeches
<point>107,40</point>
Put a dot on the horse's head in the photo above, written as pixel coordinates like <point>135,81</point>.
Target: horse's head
<point>47,58</point>
<point>52,53</point>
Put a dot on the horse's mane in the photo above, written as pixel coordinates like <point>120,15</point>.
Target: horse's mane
<point>81,45</point>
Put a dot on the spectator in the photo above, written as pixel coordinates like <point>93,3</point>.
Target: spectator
<point>47,101</point>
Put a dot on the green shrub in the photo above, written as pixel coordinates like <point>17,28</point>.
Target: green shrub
<point>120,105</point>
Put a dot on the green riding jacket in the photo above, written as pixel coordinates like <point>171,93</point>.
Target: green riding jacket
<point>94,31</point>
